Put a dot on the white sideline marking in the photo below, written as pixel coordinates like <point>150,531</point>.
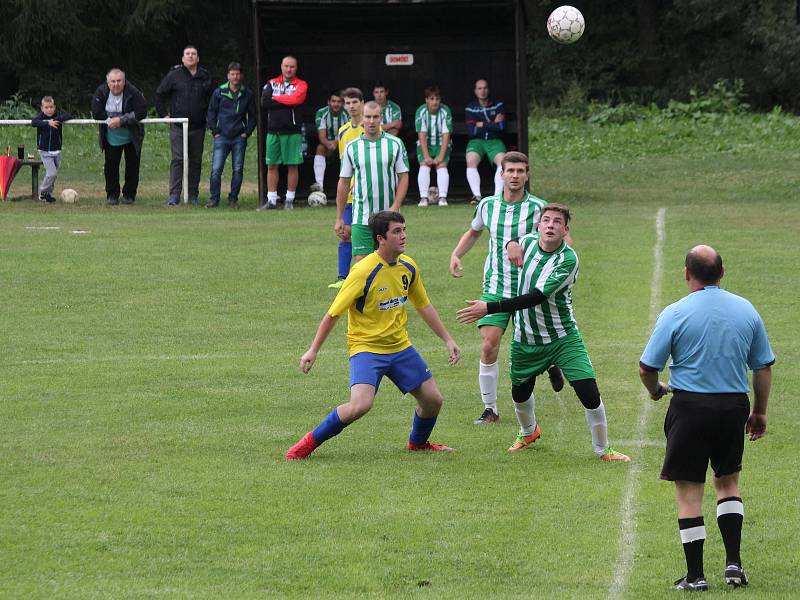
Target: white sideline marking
<point>80,231</point>
<point>112,359</point>
<point>627,538</point>
<point>41,228</point>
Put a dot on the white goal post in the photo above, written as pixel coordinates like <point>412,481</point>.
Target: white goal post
<point>183,121</point>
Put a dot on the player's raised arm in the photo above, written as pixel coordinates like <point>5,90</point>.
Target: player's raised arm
<point>323,331</point>
<point>464,245</point>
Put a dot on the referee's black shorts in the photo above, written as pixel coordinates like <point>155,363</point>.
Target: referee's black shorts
<point>702,428</point>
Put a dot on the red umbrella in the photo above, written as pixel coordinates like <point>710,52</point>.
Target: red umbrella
<point>8,169</point>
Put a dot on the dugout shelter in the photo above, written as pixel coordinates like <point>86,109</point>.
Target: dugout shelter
<point>408,45</point>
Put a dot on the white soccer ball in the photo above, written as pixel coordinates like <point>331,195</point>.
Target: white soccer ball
<point>433,194</point>
<point>317,199</point>
<point>69,196</point>
<point>565,24</point>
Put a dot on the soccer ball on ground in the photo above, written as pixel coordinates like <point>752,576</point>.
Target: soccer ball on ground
<point>317,199</point>
<point>565,24</point>
<point>69,196</point>
<point>433,194</point>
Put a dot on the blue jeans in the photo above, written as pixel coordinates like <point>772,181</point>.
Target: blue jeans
<point>223,146</point>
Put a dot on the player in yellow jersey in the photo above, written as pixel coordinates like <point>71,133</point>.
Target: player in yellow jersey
<point>374,296</point>
<point>352,130</point>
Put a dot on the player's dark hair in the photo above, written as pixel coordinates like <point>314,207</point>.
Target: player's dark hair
<point>705,269</point>
<point>380,221</point>
<point>433,90</point>
<point>234,66</point>
<point>337,92</point>
<point>381,85</point>
<point>352,92</point>
<point>185,48</point>
<point>514,157</point>
<point>559,208</point>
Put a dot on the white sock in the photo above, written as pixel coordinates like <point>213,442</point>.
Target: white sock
<point>598,427</point>
<point>319,169</point>
<point>487,380</point>
<point>289,197</point>
<point>443,181</point>
<point>474,180</point>
<point>424,180</point>
<point>526,415</point>
<point>272,197</point>
<point>498,180</point>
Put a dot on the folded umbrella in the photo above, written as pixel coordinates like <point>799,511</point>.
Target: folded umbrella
<point>8,170</point>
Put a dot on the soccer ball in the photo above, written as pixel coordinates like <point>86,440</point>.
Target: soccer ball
<point>317,199</point>
<point>69,196</point>
<point>433,194</point>
<point>565,24</point>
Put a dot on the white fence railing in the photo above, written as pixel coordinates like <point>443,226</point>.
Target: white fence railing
<point>169,120</point>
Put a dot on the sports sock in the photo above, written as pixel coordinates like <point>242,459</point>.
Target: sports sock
<point>730,515</point>
<point>487,380</point>
<point>598,427</point>
<point>345,256</point>
<point>332,425</point>
<point>526,415</point>
<point>272,197</point>
<point>498,180</point>
<point>474,180</point>
<point>693,534</point>
<point>319,169</point>
<point>290,196</point>
<point>424,180</point>
<point>443,181</point>
<point>421,429</point>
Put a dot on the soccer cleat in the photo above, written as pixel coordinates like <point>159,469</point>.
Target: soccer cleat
<point>315,187</point>
<point>556,378</point>
<point>488,416</point>
<point>423,202</point>
<point>336,285</point>
<point>303,448</point>
<point>610,454</point>
<point>267,206</point>
<point>523,442</point>
<point>172,201</point>
<point>475,200</point>
<point>429,446</point>
<point>698,585</point>
<point>288,205</point>
<point>442,201</point>
<point>735,575</point>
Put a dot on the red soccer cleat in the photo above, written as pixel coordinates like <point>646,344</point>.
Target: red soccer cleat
<point>430,446</point>
<point>303,448</point>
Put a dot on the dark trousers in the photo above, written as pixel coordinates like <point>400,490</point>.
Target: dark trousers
<point>196,138</point>
<point>111,170</point>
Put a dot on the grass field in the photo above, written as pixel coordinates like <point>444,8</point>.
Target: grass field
<point>150,387</point>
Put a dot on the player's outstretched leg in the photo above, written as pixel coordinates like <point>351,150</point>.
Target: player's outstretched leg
<point>524,407</point>
<point>589,395</point>
<point>429,403</point>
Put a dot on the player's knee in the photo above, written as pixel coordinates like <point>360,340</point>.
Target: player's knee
<point>587,392</point>
<point>521,392</point>
<point>490,348</point>
<point>321,150</point>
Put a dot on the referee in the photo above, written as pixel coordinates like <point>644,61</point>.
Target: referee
<point>714,337</point>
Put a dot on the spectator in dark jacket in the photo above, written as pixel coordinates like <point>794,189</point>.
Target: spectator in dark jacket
<point>184,92</point>
<point>122,107</point>
<point>231,119</point>
<point>48,141</point>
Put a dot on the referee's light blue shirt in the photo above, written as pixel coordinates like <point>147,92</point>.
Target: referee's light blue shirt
<point>713,337</point>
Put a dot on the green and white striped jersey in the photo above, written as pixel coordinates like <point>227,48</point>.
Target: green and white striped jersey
<point>325,119</point>
<point>553,274</point>
<point>434,125</point>
<point>374,167</point>
<point>390,112</point>
<point>505,221</point>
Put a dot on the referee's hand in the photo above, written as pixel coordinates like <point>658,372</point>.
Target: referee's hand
<point>662,391</point>
<point>756,426</point>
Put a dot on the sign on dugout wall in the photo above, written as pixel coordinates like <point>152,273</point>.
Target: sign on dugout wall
<point>408,45</point>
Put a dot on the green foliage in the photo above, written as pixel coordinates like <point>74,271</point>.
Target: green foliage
<point>15,107</point>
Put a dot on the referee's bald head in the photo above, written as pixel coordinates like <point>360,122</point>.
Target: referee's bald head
<point>704,264</point>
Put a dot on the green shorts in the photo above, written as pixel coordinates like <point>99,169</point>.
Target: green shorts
<point>284,149</point>
<point>434,152</point>
<point>487,148</point>
<point>497,319</point>
<point>361,238</point>
<point>568,352</point>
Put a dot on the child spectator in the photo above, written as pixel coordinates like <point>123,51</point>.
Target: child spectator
<point>48,141</point>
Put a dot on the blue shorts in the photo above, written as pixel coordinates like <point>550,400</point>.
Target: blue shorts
<point>347,215</point>
<point>407,369</point>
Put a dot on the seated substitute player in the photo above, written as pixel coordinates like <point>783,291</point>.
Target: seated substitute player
<point>377,164</point>
<point>375,295</point>
<point>486,121</point>
<point>545,332</point>
<point>506,216</point>
<point>329,120</point>
<point>391,117</point>
<point>434,124</point>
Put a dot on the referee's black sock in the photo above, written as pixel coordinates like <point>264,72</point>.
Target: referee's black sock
<point>693,534</point>
<point>730,515</point>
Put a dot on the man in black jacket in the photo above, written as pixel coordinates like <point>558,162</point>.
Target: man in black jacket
<point>122,107</point>
<point>184,92</point>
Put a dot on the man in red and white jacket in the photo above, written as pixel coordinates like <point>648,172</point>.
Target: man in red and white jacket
<point>283,96</point>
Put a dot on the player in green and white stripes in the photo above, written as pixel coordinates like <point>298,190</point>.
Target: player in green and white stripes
<point>329,119</point>
<point>391,117</point>
<point>434,124</point>
<point>378,165</point>
<point>511,214</point>
<point>545,331</point>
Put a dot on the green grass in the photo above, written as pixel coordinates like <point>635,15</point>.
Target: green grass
<point>150,387</point>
